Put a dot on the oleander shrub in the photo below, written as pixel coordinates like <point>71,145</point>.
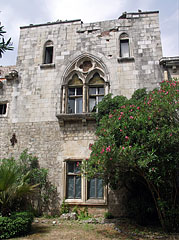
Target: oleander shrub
<point>18,224</point>
<point>138,139</point>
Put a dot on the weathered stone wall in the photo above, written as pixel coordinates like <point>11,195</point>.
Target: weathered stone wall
<point>34,99</point>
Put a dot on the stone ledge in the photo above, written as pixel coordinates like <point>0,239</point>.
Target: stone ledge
<point>125,59</point>
<point>47,65</point>
<point>79,117</point>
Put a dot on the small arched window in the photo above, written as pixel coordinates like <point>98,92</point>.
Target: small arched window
<point>124,45</point>
<point>96,91</point>
<point>75,95</point>
<point>48,52</point>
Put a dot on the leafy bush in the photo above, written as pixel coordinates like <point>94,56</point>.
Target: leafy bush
<point>19,178</point>
<point>83,214</point>
<point>65,208</point>
<point>108,215</point>
<point>18,224</point>
<point>139,139</point>
<point>14,186</point>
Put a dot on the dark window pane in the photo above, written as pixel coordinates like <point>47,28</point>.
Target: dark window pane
<point>100,90</point>
<point>71,105</point>
<point>92,104</point>
<point>71,91</point>
<point>48,55</point>
<point>78,187</point>
<point>95,188</point>
<point>92,90</point>
<point>79,91</point>
<point>70,186</point>
<point>92,188</point>
<point>3,108</point>
<point>99,188</point>
<point>100,98</point>
<point>70,167</point>
<point>79,105</point>
<point>77,168</point>
<point>124,48</point>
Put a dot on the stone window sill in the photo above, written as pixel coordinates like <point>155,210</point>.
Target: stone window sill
<point>47,65</point>
<point>94,202</point>
<point>125,59</point>
<point>79,117</point>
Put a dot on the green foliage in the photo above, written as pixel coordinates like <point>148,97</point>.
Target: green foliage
<point>108,215</point>
<point>18,224</point>
<point>40,202</point>
<point>14,186</point>
<point>139,139</point>
<point>109,104</point>
<point>64,208</point>
<point>83,214</point>
<point>4,46</point>
<point>18,179</point>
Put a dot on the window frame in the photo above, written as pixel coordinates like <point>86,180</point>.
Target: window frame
<point>96,96</point>
<point>7,107</point>
<point>48,50</point>
<point>86,85</point>
<point>85,200</point>
<point>75,97</point>
<point>124,38</point>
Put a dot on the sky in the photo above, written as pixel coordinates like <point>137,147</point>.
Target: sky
<point>16,13</point>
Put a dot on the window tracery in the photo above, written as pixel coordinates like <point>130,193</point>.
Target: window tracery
<point>85,86</point>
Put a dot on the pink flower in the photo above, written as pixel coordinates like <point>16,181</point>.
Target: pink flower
<point>131,117</point>
<point>110,158</point>
<point>110,116</point>
<point>153,169</point>
<point>119,118</point>
<point>120,130</point>
<point>138,108</point>
<point>170,134</point>
<point>123,148</point>
<point>108,149</point>
<point>90,145</point>
<point>77,164</point>
<point>102,151</point>
<point>126,137</point>
<point>121,113</point>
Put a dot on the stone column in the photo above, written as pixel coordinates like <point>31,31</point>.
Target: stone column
<point>64,99</point>
<point>84,98</point>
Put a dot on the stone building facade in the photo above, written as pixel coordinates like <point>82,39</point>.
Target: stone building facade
<point>63,70</point>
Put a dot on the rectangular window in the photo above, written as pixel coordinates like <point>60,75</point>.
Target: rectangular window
<point>78,189</point>
<point>75,100</point>
<point>96,95</point>
<point>3,108</point>
<point>124,48</point>
<point>73,180</point>
<point>48,55</point>
<point>95,188</point>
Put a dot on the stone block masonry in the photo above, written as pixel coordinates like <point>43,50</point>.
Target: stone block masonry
<point>64,69</point>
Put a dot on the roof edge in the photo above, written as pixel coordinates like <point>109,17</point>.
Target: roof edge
<point>51,23</point>
<point>124,15</point>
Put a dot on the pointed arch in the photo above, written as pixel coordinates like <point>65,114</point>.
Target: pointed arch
<point>85,81</point>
